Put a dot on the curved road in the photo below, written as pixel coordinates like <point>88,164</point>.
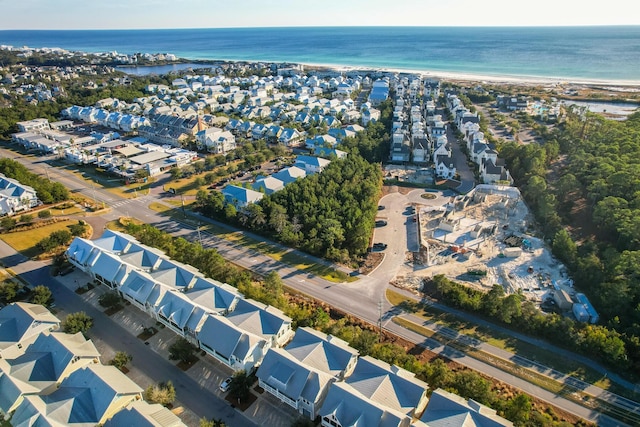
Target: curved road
<point>361,298</point>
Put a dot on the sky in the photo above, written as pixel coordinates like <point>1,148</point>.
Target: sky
<point>130,14</point>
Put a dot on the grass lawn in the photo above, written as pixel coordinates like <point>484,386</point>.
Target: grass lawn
<point>273,251</point>
<point>25,241</point>
<point>110,183</point>
<point>187,186</point>
<point>118,225</point>
<point>289,257</point>
<point>64,212</point>
<point>160,208</point>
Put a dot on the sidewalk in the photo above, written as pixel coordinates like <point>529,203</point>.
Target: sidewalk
<point>207,372</point>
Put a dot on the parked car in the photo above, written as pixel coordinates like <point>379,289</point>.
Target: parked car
<point>380,208</point>
<point>381,223</point>
<point>224,385</point>
<point>66,270</point>
<point>379,246</point>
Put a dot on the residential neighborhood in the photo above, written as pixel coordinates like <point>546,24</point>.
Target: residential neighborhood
<point>214,152</point>
<point>302,368</point>
<point>49,377</point>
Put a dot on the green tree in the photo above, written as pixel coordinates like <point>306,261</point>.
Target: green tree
<point>109,300</point>
<point>163,393</point>
<point>492,300</point>
<point>471,385</point>
<point>519,409</point>
<point>26,218</point>
<point>45,213</point>
<point>240,386</point>
<point>41,295</point>
<point>121,360</point>
<point>511,308</point>
<point>230,211</point>
<point>438,374</point>
<point>8,223</point>
<point>564,248</point>
<point>273,288</point>
<point>78,229</point>
<point>8,290</point>
<point>182,350</point>
<point>77,322</point>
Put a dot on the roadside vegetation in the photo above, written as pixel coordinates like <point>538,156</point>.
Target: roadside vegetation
<point>331,214</point>
<point>304,311</point>
<point>583,185</point>
<point>46,190</point>
<point>42,238</point>
<point>513,311</point>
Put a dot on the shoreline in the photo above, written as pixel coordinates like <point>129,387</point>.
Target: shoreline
<point>623,85</point>
<point>520,80</point>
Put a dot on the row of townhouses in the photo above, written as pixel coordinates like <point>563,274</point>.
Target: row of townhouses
<point>314,373</point>
<point>419,135</point>
<point>240,197</point>
<point>50,378</point>
<point>171,115</point>
<point>492,170</point>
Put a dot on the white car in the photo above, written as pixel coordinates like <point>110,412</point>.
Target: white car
<point>224,385</point>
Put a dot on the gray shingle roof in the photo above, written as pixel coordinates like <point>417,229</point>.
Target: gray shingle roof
<point>387,385</point>
<point>350,408</point>
<point>320,351</point>
<point>252,318</point>
<point>450,410</point>
<point>282,371</point>
<point>225,338</point>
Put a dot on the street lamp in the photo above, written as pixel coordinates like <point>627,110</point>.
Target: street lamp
<point>95,200</point>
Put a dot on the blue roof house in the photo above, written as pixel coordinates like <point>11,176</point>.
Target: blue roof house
<point>344,406</point>
<point>226,342</point>
<point>240,197</point>
<point>294,383</point>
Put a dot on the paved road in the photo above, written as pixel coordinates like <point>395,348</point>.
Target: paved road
<point>459,158</point>
<point>200,400</point>
<point>361,298</point>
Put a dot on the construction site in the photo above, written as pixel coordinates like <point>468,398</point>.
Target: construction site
<point>483,238</point>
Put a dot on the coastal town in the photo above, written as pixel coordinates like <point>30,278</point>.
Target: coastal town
<point>216,146</point>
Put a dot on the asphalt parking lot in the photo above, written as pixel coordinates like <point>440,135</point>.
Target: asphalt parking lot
<point>401,234</point>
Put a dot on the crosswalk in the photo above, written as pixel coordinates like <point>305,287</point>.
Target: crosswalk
<point>123,202</point>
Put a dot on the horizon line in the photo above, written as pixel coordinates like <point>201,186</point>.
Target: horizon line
<point>326,26</point>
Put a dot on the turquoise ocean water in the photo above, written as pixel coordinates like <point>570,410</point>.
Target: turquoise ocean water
<point>599,53</point>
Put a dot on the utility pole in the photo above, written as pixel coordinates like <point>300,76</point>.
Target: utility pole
<point>95,200</point>
<point>380,317</point>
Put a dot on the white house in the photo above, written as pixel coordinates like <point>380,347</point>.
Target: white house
<point>16,197</point>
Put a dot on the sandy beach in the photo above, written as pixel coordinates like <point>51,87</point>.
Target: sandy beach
<point>613,85</point>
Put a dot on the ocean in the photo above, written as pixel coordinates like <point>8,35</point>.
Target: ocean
<point>610,53</point>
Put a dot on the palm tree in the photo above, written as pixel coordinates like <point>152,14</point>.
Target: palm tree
<point>240,386</point>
